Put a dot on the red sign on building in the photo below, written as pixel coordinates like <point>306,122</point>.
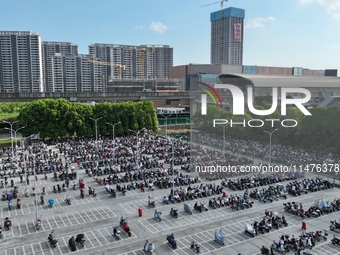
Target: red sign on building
<point>237,32</point>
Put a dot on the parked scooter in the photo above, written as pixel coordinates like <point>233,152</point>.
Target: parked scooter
<point>265,251</point>
<point>158,215</point>
<point>219,238</point>
<point>38,224</point>
<point>334,225</point>
<point>172,241</point>
<point>151,203</point>
<point>10,205</point>
<point>195,247</point>
<point>92,192</point>
<point>249,230</point>
<point>18,203</point>
<point>335,240</point>
<point>298,252</point>
<point>123,223</point>
<point>116,233</point>
<point>278,247</point>
<point>42,201</point>
<point>149,247</point>
<point>174,212</point>
<point>7,223</point>
<point>80,239</point>
<point>188,208</point>
<point>51,238</point>
<point>1,234</point>
<point>68,199</point>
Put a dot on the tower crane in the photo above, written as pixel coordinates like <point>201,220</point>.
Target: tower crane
<point>221,28</point>
<point>143,49</point>
<point>119,67</point>
<point>143,58</point>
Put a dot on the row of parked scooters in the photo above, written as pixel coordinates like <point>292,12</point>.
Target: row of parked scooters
<point>80,239</point>
<point>319,208</point>
<point>286,244</point>
<point>270,221</point>
<point>252,182</point>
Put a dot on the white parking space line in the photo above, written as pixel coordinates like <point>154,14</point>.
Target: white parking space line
<point>69,221</point>
<point>88,240</point>
<point>42,250</point>
<point>74,217</point>
<point>49,223</point>
<point>55,222</point>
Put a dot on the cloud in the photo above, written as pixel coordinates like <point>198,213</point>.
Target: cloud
<point>332,6</point>
<point>158,27</point>
<point>259,22</point>
<point>139,27</point>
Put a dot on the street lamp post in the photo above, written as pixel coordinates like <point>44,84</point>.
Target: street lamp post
<point>113,130</point>
<point>270,144</point>
<point>223,125</point>
<point>173,166</point>
<point>95,120</point>
<point>137,132</point>
<point>191,122</point>
<point>24,156</point>
<point>35,190</point>
<point>11,128</point>
<point>166,123</point>
<point>15,137</point>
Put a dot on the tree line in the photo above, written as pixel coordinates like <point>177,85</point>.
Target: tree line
<point>60,118</point>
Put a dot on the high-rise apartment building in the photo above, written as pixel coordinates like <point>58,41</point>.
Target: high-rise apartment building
<point>52,55</point>
<point>20,62</point>
<point>90,74</point>
<point>227,36</point>
<point>63,73</point>
<point>29,65</point>
<point>162,61</point>
<point>134,62</point>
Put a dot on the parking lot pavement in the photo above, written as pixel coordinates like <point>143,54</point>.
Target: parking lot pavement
<point>94,239</point>
<point>61,221</point>
<point>95,217</point>
<point>28,208</point>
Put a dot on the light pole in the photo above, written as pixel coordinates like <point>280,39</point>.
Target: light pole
<point>137,132</point>
<point>11,128</point>
<point>15,137</point>
<point>95,120</point>
<point>270,144</point>
<point>35,189</point>
<point>23,153</point>
<point>223,125</point>
<point>166,124</point>
<point>173,166</point>
<point>113,130</point>
<point>191,122</point>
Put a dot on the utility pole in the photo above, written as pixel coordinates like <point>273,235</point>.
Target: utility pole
<point>270,144</point>
<point>95,120</point>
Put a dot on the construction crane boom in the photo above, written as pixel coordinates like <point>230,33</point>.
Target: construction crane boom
<point>109,64</point>
<point>142,49</point>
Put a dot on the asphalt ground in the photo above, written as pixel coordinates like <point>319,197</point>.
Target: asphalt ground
<point>96,217</point>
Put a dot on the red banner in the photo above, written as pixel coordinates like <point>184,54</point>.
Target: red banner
<point>237,32</point>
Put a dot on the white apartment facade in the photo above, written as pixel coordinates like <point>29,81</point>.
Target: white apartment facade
<point>20,62</point>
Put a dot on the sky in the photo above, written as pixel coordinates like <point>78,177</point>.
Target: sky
<point>283,33</point>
